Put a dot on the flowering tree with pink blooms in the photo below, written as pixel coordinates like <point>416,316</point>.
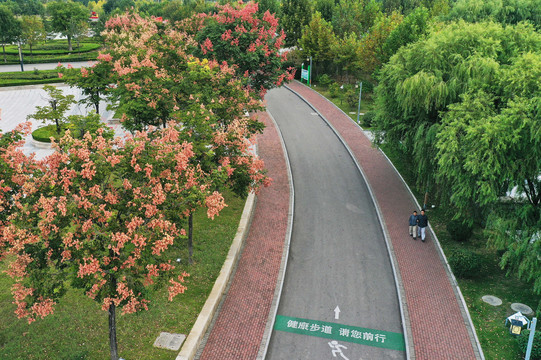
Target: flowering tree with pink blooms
<point>156,77</point>
<point>15,167</point>
<point>99,216</point>
<point>248,41</point>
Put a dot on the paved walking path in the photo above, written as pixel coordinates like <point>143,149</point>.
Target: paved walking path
<point>437,324</point>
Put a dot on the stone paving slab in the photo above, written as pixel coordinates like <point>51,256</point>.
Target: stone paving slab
<point>239,327</point>
<point>438,322</point>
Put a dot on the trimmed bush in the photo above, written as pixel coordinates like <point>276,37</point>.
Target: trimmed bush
<point>464,263</point>
<point>459,231</point>
<point>45,133</point>
<point>367,119</point>
<point>536,347</point>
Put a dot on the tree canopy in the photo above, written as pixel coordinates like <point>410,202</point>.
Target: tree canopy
<point>463,105</point>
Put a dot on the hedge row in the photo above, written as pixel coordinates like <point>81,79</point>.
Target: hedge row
<point>56,49</point>
<point>88,56</point>
<point>29,77</point>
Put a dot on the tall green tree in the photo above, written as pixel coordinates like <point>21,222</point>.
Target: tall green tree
<point>354,16</point>
<point>295,15</point>
<point>59,104</point>
<point>33,30</point>
<point>326,8</point>
<point>424,78</point>
<point>412,28</point>
<point>10,28</point>
<point>67,18</point>
<point>318,41</point>
<point>372,51</point>
<point>347,55</point>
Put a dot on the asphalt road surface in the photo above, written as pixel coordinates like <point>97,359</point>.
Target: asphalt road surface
<point>338,259</point>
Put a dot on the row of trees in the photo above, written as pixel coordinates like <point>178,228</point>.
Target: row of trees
<point>68,18</point>
<point>107,215</point>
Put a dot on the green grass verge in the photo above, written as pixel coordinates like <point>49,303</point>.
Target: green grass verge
<point>16,78</point>
<point>367,103</point>
<point>488,320</point>
<point>79,328</point>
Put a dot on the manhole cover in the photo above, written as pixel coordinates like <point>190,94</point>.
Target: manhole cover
<point>525,309</point>
<point>492,300</point>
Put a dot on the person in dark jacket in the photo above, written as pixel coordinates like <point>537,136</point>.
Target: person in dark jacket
<point>422,222</point>
<point>413,225</point>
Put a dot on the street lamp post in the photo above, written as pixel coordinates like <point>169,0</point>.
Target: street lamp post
<point>310,71</point>
<point>531,327</point>
<point>21,57</point>
<point>359,107</point>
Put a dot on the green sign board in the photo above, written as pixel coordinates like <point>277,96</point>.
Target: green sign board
<point>305,74</point>
<point>354,334</point>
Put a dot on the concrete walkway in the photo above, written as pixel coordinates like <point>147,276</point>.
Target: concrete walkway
<point>437,322</point>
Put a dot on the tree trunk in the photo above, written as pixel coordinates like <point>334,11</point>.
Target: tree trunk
<point>190,242</point>
<point>4,51</point>
<point>97,103</point>
<point>69,43</point>
<point>112,326</point>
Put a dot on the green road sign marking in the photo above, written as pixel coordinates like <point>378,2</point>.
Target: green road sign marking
<point>359,335</point>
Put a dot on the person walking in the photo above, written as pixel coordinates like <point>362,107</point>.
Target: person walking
<point>422,222</point>
<point>413,225</point>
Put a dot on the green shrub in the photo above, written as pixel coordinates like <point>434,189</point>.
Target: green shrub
<point>44,133</point>
<point>536,347</point>
<point>324,80</point>
<point>352,96</point>
<point>367,119</point>
<point>368,87</point>
<point>464,263</point>
<point>334,90</point>
<point>458,230</point>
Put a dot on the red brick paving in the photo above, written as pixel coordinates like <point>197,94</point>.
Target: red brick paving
<point>438,327</point>
<point>239,327</point>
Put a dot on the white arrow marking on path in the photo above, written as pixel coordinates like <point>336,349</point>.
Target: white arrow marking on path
<point>337,312</point>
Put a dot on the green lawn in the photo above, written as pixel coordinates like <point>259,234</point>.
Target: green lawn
<point>367,103</point>
<point>79,328</point>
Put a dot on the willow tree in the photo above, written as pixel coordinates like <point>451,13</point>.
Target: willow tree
<point>422,80</point>
<point>464,105</point>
